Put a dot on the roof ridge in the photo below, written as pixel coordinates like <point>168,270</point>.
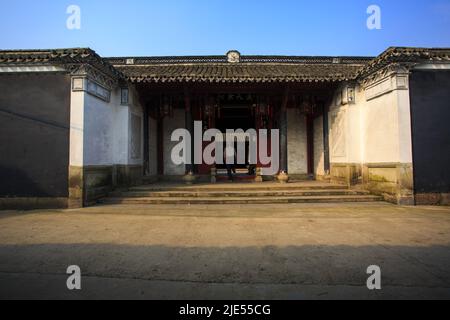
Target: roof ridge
<point>43,50</point>
<point>244,55</point>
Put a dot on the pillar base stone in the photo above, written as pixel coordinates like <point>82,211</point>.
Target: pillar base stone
<point>189,178</point>
<point>258,177</point>
<point>283,177</point>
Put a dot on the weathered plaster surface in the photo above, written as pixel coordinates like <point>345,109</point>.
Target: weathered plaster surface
<point>319,160</point>
<point>370,139</point>
<point>171,124</point>
<point>106,147</point>
<point>297,143</point>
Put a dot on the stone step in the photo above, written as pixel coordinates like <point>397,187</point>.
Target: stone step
<point>225,187</point>
<point>236,194</point>
<point>241,200</point>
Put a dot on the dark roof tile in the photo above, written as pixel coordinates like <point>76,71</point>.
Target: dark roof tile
<point>242,72</point>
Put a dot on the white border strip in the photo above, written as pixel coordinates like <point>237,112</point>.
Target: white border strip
<point>23,69</point>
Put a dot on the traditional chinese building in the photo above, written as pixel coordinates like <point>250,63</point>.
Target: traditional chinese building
<point>74,125</point>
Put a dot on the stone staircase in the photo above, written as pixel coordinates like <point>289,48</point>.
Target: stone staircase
<point>240,193</point>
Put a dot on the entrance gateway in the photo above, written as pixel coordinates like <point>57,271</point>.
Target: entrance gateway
<point>105,124</point>
<point>237,112</point>
<point>237,92</point>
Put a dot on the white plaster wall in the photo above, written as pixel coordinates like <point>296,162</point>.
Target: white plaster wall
<point>297,143</point>
<point>120,148</point>
<point>136,139</point>
<point>338,134</point>
<point>386,132</point>
<point>381,132</point>
<point>98,131</point>
<point>375,131</point>
<point>319,159</point>
<point>354,133</point>
<point>153,148</point>
<point>135,136</point>
<point>404,123</point>
<point>101,132</point>
<point>171,124</point>
<point>344,131</point>
<point>76,128</point>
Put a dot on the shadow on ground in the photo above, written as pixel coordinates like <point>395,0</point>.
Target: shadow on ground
<point>267,272</point>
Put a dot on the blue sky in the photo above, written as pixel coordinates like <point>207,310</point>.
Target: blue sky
<point>198,27</point>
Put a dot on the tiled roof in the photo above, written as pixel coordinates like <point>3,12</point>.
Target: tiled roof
<point>239,72</point>
<point>58,57</point>
<point>270,68</point>
<point>406,55</point>
<point>216,69</point>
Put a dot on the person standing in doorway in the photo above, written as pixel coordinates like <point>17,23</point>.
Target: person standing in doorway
<point>230,157</point>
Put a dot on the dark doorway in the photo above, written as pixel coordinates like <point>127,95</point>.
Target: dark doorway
<point>235,116</point>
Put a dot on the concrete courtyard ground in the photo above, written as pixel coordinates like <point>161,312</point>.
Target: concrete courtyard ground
<point>295,251</point>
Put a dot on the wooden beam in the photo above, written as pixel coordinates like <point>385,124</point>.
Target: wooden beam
<point>146,140</point>
<point>160,145</point>
<point>326,140</point>
<point>189,124</point>
<point>284,132</point>
<point>310,142</point>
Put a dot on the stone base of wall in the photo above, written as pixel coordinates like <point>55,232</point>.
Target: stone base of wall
<point>33,203</point>
<point>89,184</point>
<point>394,181</point>
<point>433,199</point>
<point>98,182</point>
<point>128,175</point>
<point>76,187</point>
<point>348,174</point>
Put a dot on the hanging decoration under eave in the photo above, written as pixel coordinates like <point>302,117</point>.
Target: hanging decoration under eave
<point>264,112</point>
<point>209,108</point>
<point>166,106</point>
<point>307,105</point>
